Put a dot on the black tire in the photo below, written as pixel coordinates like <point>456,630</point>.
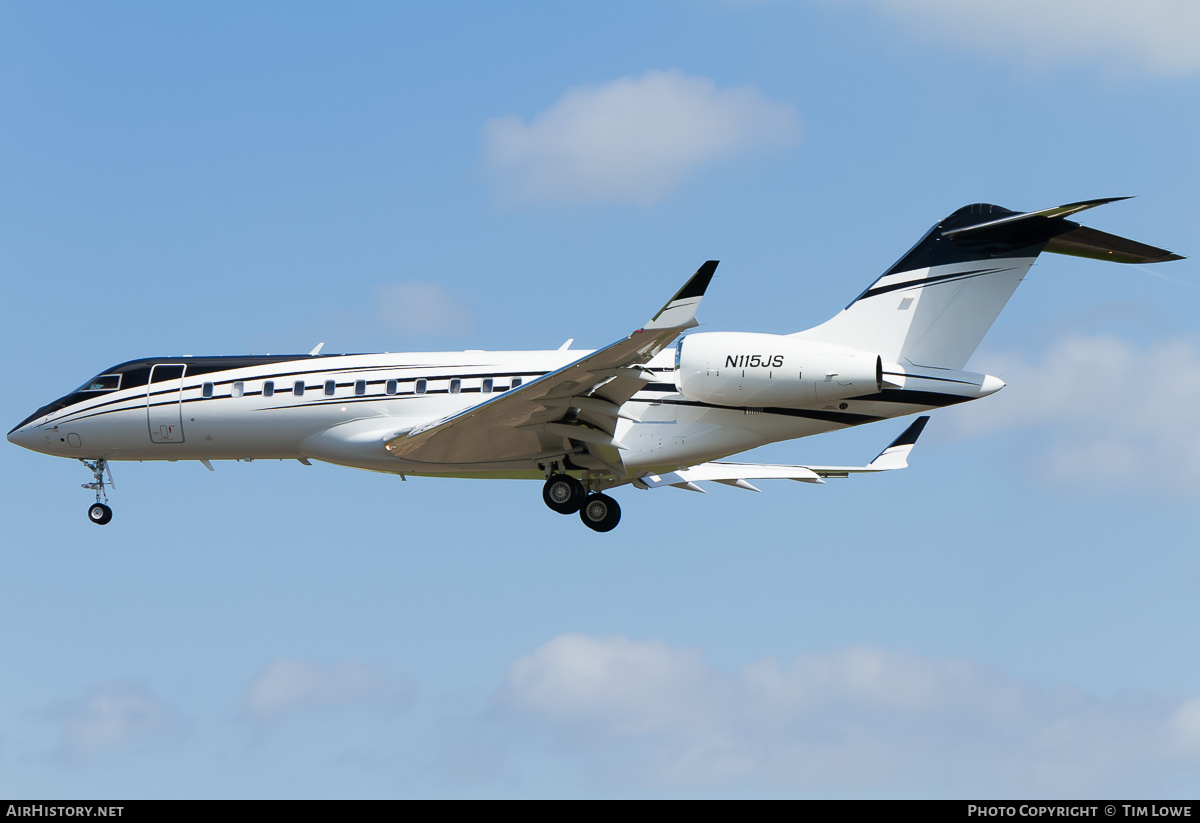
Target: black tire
<point>99,514</point>
<point>600,513</point>
<point>563,493</point>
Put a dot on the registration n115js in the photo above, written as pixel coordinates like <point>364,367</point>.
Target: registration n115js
<point>656,408</point>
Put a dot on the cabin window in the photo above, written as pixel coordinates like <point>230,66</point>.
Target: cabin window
<point>487,384</point>
<point>360,387</point>
<point>455,386</point>
<point>207,390</point>
<point>421,385</point>
<point>298,388</point>
<point>330,388</point>
<point>516,382</point>
<point>390,387</point>
<point>239,388</point>
<point>269,388</point>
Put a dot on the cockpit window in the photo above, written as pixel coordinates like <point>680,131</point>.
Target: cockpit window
<point>103,382</point>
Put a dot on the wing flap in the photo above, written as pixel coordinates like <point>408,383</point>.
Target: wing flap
<point>730,473</point>
<point>895,456</point>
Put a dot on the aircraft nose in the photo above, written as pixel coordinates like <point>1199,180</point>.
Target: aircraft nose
<point>32,437</point>
<point>41,439</point>
<point>28,434</point>
<point>21,436</point>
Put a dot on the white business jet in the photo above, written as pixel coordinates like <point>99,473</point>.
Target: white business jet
<point>636,412</point>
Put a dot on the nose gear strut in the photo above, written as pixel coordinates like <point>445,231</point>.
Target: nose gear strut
<point>99,512</point>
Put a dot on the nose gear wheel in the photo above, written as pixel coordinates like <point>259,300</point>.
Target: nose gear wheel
<point>99,512</point>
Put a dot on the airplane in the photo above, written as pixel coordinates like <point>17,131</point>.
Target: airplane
<point>653,409</point>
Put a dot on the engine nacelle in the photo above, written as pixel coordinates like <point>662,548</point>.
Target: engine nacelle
<point>747,369</point>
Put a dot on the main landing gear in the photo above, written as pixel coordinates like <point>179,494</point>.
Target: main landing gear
<point>99,513</point>
<point>600,513</point>
<point>566,495</point>
<point>563,493</point>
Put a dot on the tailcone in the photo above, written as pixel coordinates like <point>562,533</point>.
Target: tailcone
<point>921,385</point>
<point>990,385</point>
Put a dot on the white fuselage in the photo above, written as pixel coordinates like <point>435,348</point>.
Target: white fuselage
<point>340,408</point>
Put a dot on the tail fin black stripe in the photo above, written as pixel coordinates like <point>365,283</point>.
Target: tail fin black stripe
<point>927,281</point>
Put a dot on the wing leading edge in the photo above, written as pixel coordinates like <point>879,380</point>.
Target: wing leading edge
<point>580,402</point>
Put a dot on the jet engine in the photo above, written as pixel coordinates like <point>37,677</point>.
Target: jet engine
<point>746,369</point>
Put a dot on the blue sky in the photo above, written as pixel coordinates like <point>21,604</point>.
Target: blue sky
<point>1015,615</point>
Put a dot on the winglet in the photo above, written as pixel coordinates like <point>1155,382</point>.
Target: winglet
<point>680,310</point>
<point>895,456</point>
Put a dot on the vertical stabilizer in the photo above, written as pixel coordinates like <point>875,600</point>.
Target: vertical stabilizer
<point>933,307</point>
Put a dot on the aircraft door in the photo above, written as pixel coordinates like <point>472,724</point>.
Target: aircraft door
<point>164,403</point>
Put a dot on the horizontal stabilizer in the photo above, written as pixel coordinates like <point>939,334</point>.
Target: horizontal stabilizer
<point>1099,245</point>
<point>995,227</point>
<point>1060,236</point>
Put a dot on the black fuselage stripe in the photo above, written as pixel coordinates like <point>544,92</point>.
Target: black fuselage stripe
<point>842,418</point>
<point>899,396</point>
<point>913,397</point>
<point>321,401</point>
<point>142,398</point>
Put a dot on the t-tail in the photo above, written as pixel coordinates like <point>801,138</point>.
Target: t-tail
<point>933,307</point>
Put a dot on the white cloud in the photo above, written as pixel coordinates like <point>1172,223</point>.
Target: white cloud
<point>631,140</point>
<point>1158,37</point>
<point>412,310</point>
<point>290,687</point>
<point>419,308</point>
<point>1185,724</point>
<point>113,716</point>
<point>862,719</point>
<point>628,688</point>
<point>1114,414</point>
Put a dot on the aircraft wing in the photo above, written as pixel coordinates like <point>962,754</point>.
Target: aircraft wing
<point>895,456</point>
<point>580,401</point>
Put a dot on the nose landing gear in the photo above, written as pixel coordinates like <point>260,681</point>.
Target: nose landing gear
<point>99,512</point>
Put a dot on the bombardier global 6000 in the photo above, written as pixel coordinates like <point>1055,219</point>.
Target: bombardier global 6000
<point>653,409</point>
